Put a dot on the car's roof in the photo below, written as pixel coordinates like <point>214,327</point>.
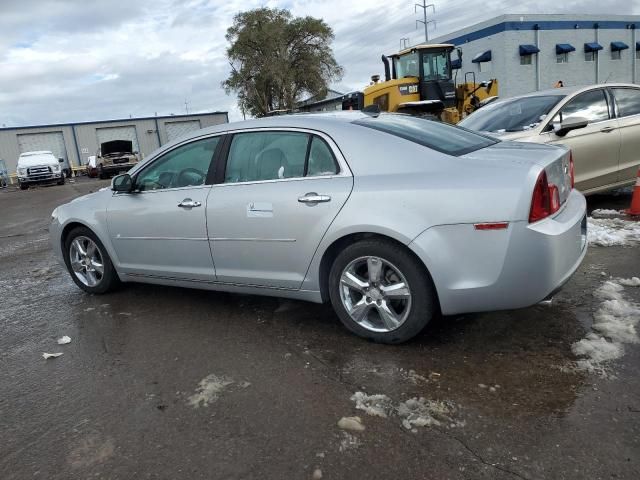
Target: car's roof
<point>564,91</point>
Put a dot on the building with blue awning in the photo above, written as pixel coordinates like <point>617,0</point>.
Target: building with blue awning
<point>533,52</point>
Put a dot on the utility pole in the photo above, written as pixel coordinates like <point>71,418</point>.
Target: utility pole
<point>404,43</point>
<point>426,22</point>
<point>186,106</point>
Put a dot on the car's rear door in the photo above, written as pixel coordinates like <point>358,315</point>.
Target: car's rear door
<point>596,147</point>
<point>627,101</point>
<point>160,230</point>
<point>268,211</point>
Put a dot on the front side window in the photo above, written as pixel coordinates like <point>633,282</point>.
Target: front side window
<point>562,58</point>
<point>484,66</point>
<point>185,166</point>
<point>511,115</point>
<point>591,106</point>
<point>260,156</point>
<point>615,55</point>
<point>526,59</point>
<point>435,66</point>
<point>407,65</point>
<point>627,100</point>
<point>441,137</point>
<point>590,56</point>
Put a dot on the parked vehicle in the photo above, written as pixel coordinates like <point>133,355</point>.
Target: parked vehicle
<point>391,218</point>
<point>114,157</point>
<point>92,169</point>
<point>39,167</point>
<point>600,123</point>
<point>4,174</point>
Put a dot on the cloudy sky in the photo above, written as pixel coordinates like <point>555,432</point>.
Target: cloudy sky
<point>76,60</point>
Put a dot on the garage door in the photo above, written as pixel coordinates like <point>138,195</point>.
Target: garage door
<point>178,129</point>
<point>51,141</point>
<point>108,134</point>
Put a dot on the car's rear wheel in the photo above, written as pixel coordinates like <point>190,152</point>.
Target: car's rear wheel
<point>88,262</point>
<point>381,292</point>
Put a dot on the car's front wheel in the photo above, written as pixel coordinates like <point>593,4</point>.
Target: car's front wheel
<point>88,262</point>
<point>381,292</point>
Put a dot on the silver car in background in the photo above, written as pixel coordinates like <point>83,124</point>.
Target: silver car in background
<point>391,218</point>
<point>599,123</point>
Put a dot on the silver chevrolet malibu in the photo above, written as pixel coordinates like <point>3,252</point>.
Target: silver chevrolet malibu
<point>393,219</point>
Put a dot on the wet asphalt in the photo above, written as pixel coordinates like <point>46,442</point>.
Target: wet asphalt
<point>125,400</point>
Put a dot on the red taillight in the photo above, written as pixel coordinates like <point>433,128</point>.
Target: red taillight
<point>545,200</point>
<point>571,170</point>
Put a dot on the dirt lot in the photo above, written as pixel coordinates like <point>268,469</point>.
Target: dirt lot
<point>169,383</point>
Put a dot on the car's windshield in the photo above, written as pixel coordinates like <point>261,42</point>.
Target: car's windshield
<point>513,115</point>
<point>438,136</point>
<point>407,65</point>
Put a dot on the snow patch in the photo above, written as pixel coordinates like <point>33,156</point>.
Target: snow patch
<point>208,391</point>
<point>630,282</point>
<point>614,324</point>
<point>374,405</point>
<point>421,412</point>
<point>607,232</point>
<point>604,212</point>
<point>415,412</point>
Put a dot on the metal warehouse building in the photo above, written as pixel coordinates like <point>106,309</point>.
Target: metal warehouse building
<point>533,52</point>
<point>74,142</point>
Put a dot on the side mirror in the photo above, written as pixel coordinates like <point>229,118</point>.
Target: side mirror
<point>60,160</point>
<point>571,123</point>
<point>122,183</point>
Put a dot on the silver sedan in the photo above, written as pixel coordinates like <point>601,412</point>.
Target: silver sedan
<point>392,219</point>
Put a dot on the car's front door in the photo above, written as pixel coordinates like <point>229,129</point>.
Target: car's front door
<point>595,147</point>
<point>159,230</point>
<point>280,192</point>
<point>628,110</point>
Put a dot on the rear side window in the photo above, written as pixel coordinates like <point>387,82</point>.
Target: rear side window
<point>627,100</point>
<point>321,161</point>
<point>435,135</point>
<point>259,156</point>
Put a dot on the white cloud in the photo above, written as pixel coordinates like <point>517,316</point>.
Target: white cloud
<point>72,60</point>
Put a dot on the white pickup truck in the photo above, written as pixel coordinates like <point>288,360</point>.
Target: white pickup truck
<point>39,167</point>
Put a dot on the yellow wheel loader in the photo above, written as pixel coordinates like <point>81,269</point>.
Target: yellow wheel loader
<point>419,81</point>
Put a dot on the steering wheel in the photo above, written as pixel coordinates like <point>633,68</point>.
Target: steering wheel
<point>187,182</point>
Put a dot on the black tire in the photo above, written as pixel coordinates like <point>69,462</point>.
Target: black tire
<point>23,186</point>
<point>110,280</point>
<point>61,181</point>
<point>101,174</point>
<point>424,303</point>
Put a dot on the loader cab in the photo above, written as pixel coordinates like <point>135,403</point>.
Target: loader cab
<point>431,65</point>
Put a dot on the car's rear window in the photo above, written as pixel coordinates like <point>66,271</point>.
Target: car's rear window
<point>438,136</point>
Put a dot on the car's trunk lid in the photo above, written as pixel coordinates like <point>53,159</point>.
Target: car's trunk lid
<point>555,160</point>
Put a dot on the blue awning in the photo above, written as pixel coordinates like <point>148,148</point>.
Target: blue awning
<point>456,64</point>
<point>482,57</point>
<point>564,48</point>
<point>616,46</point>
<point>592,47</point>
<point>528,49</point>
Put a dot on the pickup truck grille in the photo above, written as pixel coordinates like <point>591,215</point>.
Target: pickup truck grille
<point>121,160</point>
<point>38,170</point>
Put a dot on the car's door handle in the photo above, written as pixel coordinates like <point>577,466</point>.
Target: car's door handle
<point>188,203</point>
<point>313,197</point>
<point>607,129</point>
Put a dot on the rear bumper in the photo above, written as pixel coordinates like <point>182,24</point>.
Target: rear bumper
<point>476,271</point>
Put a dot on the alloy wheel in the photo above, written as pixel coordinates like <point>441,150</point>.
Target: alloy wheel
<point>375,293</point>
<point>86,261</point>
